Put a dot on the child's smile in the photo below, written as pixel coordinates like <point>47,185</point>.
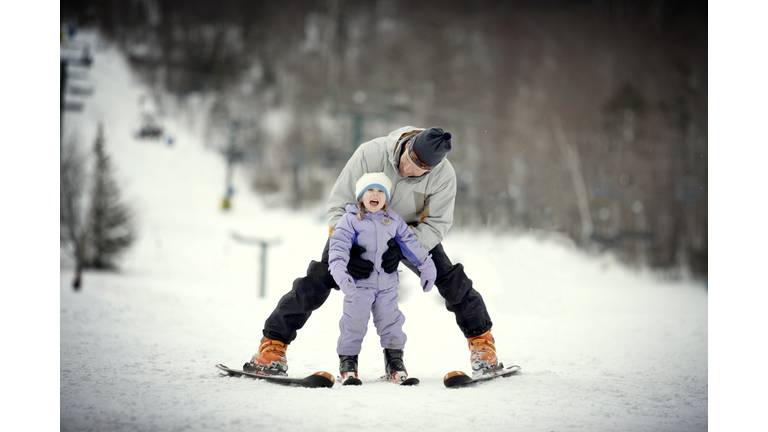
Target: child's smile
<point>374,199</point>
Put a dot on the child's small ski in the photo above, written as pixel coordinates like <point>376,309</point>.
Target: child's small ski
<point>350,380</point>
<point>403,382</point>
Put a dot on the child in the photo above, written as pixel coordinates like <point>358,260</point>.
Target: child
<point>370,225</point>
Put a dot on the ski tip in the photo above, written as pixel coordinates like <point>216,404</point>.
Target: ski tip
<point>410,382</point>
<point>456,378</point>
<point>326,375</point>
<point>452,374</point>
<point>320,380</point>
<point>352,382</point>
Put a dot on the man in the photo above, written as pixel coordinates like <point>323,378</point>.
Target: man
<point>423,193</point>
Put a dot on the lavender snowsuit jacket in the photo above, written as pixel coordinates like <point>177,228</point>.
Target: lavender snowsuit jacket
<point>373,235</point>
<point>377,293</point>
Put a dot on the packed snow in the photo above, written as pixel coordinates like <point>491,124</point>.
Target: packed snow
<point>602,347</point>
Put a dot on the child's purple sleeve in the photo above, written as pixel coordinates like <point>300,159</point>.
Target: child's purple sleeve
<point>409,244</point>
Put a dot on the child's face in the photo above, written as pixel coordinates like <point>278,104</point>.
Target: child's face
<point>374,199</point>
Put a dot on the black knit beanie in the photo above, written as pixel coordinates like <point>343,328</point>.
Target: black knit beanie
<point>431,145</point>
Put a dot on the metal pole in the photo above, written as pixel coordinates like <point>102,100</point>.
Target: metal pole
<point>264,245</point>
<point>227,201</point>
<point>263,285</point>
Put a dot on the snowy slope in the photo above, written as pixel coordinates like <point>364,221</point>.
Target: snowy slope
<point>602,348</point>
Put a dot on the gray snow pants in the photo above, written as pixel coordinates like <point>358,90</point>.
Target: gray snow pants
<point>311,291</point>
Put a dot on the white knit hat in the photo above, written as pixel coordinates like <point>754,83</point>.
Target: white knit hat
<point>369,180</point>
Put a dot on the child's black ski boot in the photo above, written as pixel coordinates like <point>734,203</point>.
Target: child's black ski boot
<point>348,370</point>
<point>394,366</point>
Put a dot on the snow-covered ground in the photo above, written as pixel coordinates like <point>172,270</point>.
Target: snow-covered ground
<point>602,348</point>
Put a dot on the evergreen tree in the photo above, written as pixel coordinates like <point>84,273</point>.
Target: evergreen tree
<point>110,222</point>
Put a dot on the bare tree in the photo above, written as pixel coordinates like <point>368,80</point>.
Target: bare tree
<point>72,231</point>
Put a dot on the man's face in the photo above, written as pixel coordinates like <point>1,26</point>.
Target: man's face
<point>408,167</point>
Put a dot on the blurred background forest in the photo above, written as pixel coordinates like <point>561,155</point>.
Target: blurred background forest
<point>587,118</point>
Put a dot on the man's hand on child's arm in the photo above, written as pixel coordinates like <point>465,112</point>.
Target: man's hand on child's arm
<point>391,257</point>
<point>359,267</point>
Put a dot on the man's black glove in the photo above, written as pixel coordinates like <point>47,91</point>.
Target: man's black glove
<point>391,257</point>
<point>358,267</point>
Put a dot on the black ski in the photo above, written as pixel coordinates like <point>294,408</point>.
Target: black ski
<point>406,382</point>
<point>316,380</point>
<point>458,379</point>
<point>351,381</point>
